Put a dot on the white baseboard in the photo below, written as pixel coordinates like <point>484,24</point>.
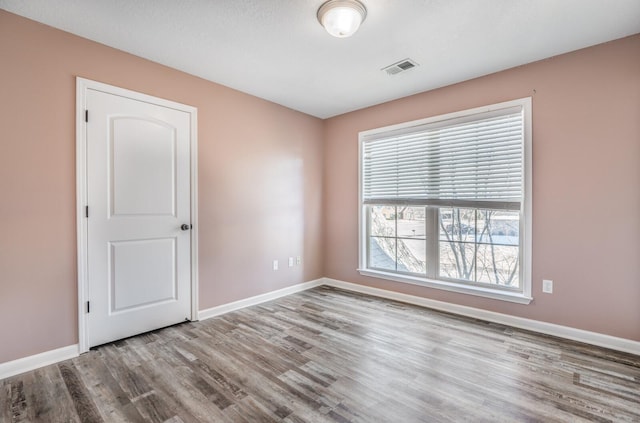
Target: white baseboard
<point>25,364</point>
<point>32,362</point>
<point>21,365</point>
<point>237,305</point>
<point>593,338</point>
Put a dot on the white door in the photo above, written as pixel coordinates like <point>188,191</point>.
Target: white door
<point>138,225</point>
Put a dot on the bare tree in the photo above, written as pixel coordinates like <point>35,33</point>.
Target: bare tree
<point>464,268</point>
<point>475,245</point>
<point>467,232</point>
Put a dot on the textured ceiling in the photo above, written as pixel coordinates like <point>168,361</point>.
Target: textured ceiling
<point>277,50</point>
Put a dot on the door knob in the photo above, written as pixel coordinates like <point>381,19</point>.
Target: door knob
<point>185,227</point>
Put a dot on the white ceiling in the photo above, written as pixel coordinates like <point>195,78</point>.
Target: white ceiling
<point>277,50</point>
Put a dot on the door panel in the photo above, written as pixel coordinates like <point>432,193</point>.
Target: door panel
<point>142,273</point>
<point>142,144</point>
<point>138,190</point>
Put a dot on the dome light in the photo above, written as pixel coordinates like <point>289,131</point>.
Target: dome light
<point>342,18</point>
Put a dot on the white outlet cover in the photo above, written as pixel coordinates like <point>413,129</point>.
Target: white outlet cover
<point>547,286</point>
<point>275,265</point>
<point>290,261</point>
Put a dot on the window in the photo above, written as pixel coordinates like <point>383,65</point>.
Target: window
<point>445,201</point>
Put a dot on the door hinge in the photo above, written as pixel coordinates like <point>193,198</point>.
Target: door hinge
<point>88,307</point>
<point>86,211</point>
<point>86,115</point>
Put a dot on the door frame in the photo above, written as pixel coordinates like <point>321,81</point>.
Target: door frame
<point>82,87</point>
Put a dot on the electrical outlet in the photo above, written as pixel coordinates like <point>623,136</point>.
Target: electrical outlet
<point>298,261</point>
<point>547,286</point>
<point>275,265</point>
<point>290,261</point>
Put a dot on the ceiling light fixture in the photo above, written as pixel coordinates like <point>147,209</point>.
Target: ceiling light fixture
<point>342,18</point>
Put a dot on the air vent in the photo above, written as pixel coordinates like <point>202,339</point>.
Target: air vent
<point>401,66</point>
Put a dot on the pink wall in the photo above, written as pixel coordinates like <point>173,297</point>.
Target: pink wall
<point>586,184</point>
<point>260,182</point>
<point>269,189</point>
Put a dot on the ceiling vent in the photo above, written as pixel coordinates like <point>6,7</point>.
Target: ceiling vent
<point>401,66</point>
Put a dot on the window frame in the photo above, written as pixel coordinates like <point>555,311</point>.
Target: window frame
<point>521,296</point>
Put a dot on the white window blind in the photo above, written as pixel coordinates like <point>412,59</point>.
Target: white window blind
<point>472,161</point>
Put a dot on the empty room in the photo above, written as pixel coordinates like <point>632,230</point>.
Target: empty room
<point>320,211</point>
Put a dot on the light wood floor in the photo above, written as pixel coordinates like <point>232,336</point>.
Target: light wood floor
<point>328,355</point>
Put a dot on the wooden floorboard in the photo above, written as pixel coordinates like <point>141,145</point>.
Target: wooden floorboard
<point>328,355</point>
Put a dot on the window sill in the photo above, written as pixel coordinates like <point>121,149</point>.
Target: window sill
<point>514,297</point>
